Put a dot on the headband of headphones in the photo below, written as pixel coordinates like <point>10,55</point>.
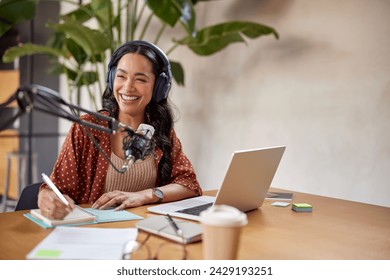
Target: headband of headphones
<point>163,81</point>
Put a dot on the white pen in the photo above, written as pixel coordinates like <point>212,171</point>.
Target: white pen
<point>54,188</point>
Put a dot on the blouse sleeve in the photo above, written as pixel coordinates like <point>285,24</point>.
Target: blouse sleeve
<point>65,171</point>
<point>183,172</point>
<point>81,167</point>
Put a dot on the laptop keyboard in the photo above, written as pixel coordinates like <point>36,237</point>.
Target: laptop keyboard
<point>196,210</point>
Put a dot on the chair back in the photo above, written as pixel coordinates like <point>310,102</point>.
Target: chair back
<point>28,198</point>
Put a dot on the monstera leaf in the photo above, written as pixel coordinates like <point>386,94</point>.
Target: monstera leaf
<point>171,11</point>
<point>213,39</point>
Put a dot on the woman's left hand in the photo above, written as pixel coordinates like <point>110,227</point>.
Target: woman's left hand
<point>119,200</point>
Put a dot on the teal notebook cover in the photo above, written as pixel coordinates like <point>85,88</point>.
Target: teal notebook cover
<point>102,216</point>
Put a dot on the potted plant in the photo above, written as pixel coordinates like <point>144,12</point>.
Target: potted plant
<point>82,53</point>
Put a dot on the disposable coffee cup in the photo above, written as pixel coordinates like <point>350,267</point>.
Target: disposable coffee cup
<point>221,232</point>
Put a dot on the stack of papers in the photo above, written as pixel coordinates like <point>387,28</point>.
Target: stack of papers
<point>77,243</point>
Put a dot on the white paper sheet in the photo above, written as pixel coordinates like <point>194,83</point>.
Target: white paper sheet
<point>84,243</point>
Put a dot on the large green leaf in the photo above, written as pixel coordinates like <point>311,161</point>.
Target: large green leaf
<point>177,72</point>
<point>104,13</point>
<point>82,14</point>
<point>87,77</point>
<point>213,39</point>
<point>15,11</point>
<point>76,51</point>
<point>57,41</point>
<point>61,41</point>
<point>170,11</point>
<point>29,49</point>
<point>92,41</point>
<point>101,10</point>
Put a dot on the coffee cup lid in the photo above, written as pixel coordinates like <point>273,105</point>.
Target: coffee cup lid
<point>223,215</point>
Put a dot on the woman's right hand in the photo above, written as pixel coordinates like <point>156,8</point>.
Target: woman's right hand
<point>52,207</point>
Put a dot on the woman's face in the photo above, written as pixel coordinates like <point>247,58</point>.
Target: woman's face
<point>133,85</point>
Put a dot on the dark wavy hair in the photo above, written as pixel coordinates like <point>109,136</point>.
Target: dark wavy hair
<point>158,114</point>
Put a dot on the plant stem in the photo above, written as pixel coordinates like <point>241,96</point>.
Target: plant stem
<point>119,14</point>
<point>110,26</point>
<point>146,26</point>
<point>172,48</point>
<point>78,96</point>
<point>140,14</point>
<point>99,84</point>
<point>127,8</point>
<point>131,23</point>
<point>162,29</point>
<point>134,18</point>
<point>92,98</point>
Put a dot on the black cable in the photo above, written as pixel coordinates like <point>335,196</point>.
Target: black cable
<point>96,144</point>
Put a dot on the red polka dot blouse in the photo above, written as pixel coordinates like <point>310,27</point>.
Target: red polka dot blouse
<point>80,170</point>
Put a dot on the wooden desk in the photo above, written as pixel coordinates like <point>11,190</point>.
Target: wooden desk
<point>336,229</point>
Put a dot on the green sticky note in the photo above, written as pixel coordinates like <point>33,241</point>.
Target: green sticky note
<point>48,253</point>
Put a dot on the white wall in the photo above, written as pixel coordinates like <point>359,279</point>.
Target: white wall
<point>322,89</point>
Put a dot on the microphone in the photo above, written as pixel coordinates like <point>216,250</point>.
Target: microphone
<point>137,145</point>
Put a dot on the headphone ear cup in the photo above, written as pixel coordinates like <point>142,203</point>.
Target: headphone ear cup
<point>111,78</point>
<point>161,87</point>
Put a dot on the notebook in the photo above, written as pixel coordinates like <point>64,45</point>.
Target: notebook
<point>81,216</point>
<point>244,187</point>
<point>78,215</point>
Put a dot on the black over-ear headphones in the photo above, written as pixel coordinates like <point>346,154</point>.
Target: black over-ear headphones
<point>163,81</point>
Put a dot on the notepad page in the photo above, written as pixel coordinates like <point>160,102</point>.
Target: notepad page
<point>78,215</point>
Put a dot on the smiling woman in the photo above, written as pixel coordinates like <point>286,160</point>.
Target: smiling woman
<point>133,87</point>
<point>138,83</point>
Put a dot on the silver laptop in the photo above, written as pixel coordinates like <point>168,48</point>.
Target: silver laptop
<point>245,185</point>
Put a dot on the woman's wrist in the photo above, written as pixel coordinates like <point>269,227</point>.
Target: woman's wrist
<point>157,195</point>
<point>144,196</point>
